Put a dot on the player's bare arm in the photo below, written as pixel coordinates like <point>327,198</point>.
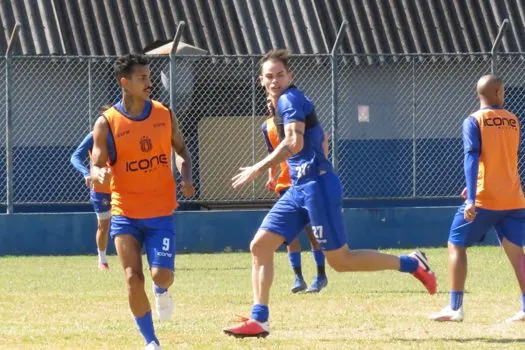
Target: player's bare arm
<point>326,148</point>
<point>99,155</point>
<point>183,158</point>
<point>291,144</point>
<point>271,182</point>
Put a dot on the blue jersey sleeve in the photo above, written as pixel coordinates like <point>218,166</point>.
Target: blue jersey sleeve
<point>290,107</point>
<point>472,148</point>
<point>471,135</point>
<point>81,153</point>
<point>264,129</point>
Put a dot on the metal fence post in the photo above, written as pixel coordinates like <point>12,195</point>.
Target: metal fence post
<point>414,142</point>
<point>90,121</point>
<point>335,93</point>
<point>9,121</point>
<point>495,46</point>
<point>173,52</point>
<point>254,82</point>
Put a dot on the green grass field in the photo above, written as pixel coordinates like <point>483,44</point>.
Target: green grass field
<point>66,303</point>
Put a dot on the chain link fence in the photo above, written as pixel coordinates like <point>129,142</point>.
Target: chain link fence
<point>55,102</point>
<point>397,135</point>
<point>3,160</point>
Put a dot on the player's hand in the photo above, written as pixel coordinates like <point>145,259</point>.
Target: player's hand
<point>104,176</point>
<point>187,189</point>
<point>88,182</point>
<point>247,174</point>
<point>270,184</point>
<point>464,193</point>
<point>470,212</point>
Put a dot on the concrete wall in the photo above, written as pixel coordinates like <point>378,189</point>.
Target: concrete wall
<point>217,231</point>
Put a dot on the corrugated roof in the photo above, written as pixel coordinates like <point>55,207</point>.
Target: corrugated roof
<point>109,27</point>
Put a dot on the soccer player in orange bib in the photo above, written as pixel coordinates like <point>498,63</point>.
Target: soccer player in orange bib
<point>494,198</point>
<point>280,185</point>
<point>143,197</point>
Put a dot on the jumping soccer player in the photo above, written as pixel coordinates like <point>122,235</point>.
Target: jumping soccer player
<point>143,197</point>
<point>494,197</point>
<point>280,185</point>
<point>100,195</point>
<point>315,197</point>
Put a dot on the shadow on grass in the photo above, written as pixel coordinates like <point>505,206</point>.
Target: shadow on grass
<point>463,340</point>
<point>386,291</point>
<point>213,268</point>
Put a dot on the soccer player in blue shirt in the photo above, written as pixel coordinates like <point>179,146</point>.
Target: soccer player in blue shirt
<point>100,196</point>
<point>315,197</point>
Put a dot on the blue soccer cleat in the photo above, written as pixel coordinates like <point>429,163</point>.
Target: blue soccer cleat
<point>319,283</point>
<point>299,285</point>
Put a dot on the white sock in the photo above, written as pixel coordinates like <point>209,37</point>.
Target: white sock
<point>102,257</point>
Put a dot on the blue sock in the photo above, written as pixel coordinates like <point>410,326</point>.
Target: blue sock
<point>456,299</point>
<point>260,312</point>
<point>407,264</point>
<point>523,302</point>
<point>145,324</point>
<point>159,290</point>
<point>295,261</point>
<point>319,261</point>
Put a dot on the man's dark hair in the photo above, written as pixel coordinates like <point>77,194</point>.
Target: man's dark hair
<point>277,55</point>
<point>123,65</point>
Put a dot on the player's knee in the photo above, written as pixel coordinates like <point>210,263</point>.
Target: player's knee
<point>255,247</point>
<point>260,255</point>
<point>341,261</point>
<point>258,249</point>
<point>162,277</point>
<point>456,251</point>
<point>103,226</point>
<point>134,278</point>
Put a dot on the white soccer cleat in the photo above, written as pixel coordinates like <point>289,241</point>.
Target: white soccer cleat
<point>164,305</point>
<point>519,317</point>
<point>153,346</point>
<point>447,314</point>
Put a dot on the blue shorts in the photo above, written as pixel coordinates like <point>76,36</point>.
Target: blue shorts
<point>101,204</point>
<point>318,202</point>
<point>507,223</point>
<point>156,235</point>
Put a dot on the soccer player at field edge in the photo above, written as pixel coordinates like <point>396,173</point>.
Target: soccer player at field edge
<point>100,195</point>
<point>143,196</point>
<point>280,184</point>
<point>315,197</point>
<point>494,197</point>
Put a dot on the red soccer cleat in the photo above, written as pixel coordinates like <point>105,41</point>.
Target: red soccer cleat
<point>248,328</point>
<point>423,272</point>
